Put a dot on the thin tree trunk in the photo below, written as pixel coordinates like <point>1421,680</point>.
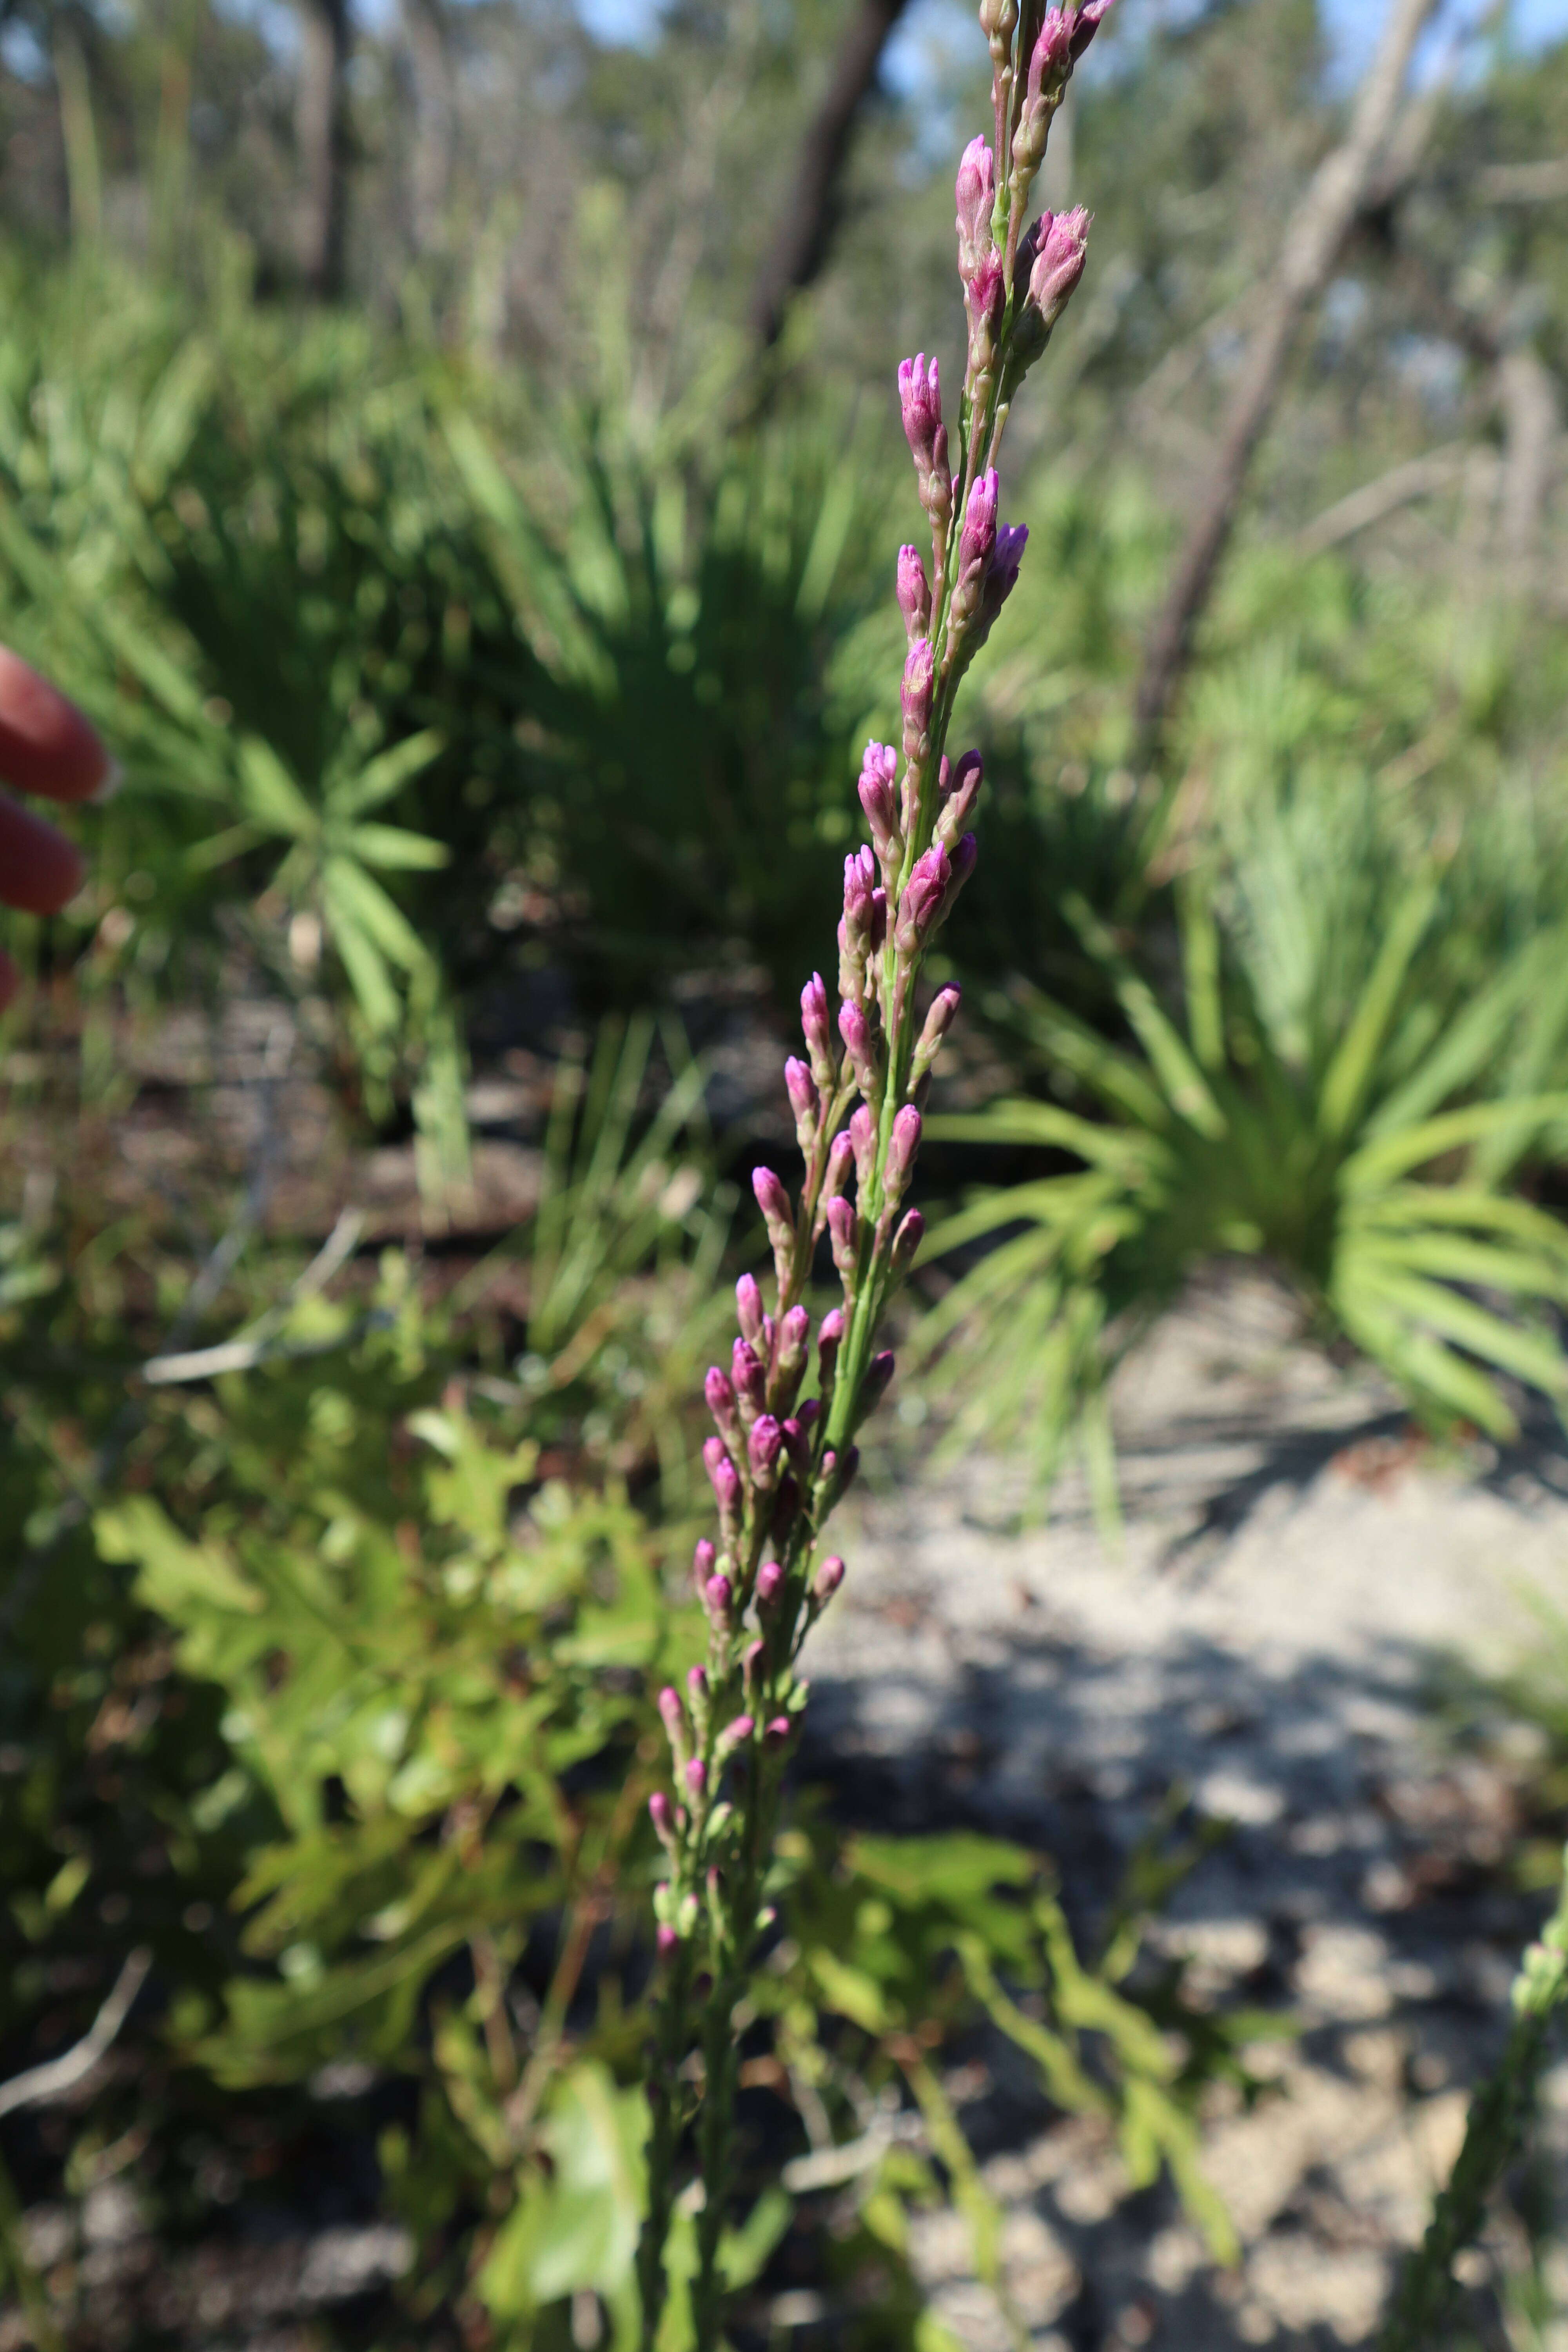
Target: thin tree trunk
<point>1323,219</point>
<point>322,134</point>
<point>1528,397</point>
<point>801,244</point>
<point>79,134</point>
<point>430,165</point>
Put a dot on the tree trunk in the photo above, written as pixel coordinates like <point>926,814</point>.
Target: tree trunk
<point>801,242</point>
<point>430,165</point>
<point>1341,186</point>
<point>322,135</point>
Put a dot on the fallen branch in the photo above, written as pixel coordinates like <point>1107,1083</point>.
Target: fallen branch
<point>1417,478</point>
<point>1524,184</point>
<point>42,2087</point>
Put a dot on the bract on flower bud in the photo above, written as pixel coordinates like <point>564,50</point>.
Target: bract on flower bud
<point>1057,263</point>
<point>764,1448</point>
<point>843,1232</point>
<point>916,693</point>
<point>920,908</point>
<point>801,1087</point>
<point>859,1045</point>
<point>1087,21</point>
<point>906,1242</point>
<point>939,1017</point>
<point>960,791</point>
<point>696,1776</point>
<point>810,1412</point>
<point>863,1136</point>
<point>816,1024</point>
<point>717,1598</point>
<point>769,1582</point>
<point>879,801</point>
<point>1051,56</point>
<point>976,193</point>
<point>914,592</point>
<point>840,1153</point>
<point>750,1380</point>
<point>984,299</point>
<point>902,1146</point>
<point>829,1579</point>
<point>749,1305</point>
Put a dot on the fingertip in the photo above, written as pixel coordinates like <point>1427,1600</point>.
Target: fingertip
<point>40,871</point>
<point>46,744</point>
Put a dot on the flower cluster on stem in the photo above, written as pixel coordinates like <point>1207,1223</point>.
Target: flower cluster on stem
<point>779,1459</point>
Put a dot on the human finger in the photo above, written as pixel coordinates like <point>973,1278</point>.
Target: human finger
<point>46,744</point>
<point>39,868</point>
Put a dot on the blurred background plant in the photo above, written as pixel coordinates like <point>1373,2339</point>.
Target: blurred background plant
<point>473,525</point>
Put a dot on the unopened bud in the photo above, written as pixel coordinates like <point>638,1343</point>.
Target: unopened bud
<point>863,1136</point>
<point>902,1146</point>
<point>668,1939</point>
<point>763,1449</point>
<point>874,1387</point>
<point>720,1401</point>
<point>920,908</point>
<point>751,1380</point>
<point>878,799</point>
<point>718,1595</point>
<point>726,1483</point>
<point>816,1026</point>
<point>976,194</point>
<point>778,1732</point>
<point>779,1218</point>
<point>976,543</point>
<point>856,1032</point>
<point>829,1339</point>
<point>844,1231</point>
<point>735,1734</point>
<point>939,1019</point>
<point>916,693</point>
<point>696,1776</point>
<point>794,1339</point>
<point>840,1153</point>
<point>914,592</point>
<point>920,400</point>
<point>697,1684</point>
<point>662,1812</point>
<point>702,1561</point>
<point>673,1716</point>
<point>803,1101</point>
<point>960,791</point>
<point>827,1580</point>
<point>906,1242</point>
<point>749,1307</point>
<point>1058,263</point>
<point>769,1582</point>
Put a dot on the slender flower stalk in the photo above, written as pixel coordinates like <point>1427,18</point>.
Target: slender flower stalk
<point>779,1464</point>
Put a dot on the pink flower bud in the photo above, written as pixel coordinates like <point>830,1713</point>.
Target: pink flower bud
<point>843,1232</point>
<point>673,1716</point>
<point>720,1400</point>
<point>902,1146</point>
<point>702,1560</point>
<point>816,1024</point>
<point>769,1582</point>
<point>801,1087</point>
<point>965,857</point>
<point>795,1444</point>
<point>696,1776</point>
<point>906,1242</point>
<point>794,1338</point>
<point>764,1448</point>
<point>874,1387</point>
<point>916,693</point>
<point>662,1814</point>
<point>735,1734</point>
<point>879,801</point>
<point>1059,263</point>
<point>856,1032</point>
<point>749,1379</point>
<point>726,1483</point>
<point>697,1683</point>
<point>668,1939</point>
<point>749,1306</point>
<point>863,1136</point>
<point>984,296</point>
<point>939,1017</point>
<point>920,399</point>
<point>840,1153</point>
<point>920,908</point>
<point>717,1597</point>
<point>979,533</point>
<point>914,592</point>
<point>976,193</point>
<point>1051,56</point>
<point>829,1579</point>
<point>960,791</point>
<point>772,1198</point>
<point>1086,22</point>
<point>829,1339</point>
<point>778,1731</point>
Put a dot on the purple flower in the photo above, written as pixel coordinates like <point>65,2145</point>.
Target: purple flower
<point>920,400</point>
<point>976,193</point>
<point>1058,262</point>
<point>984,295</point>
<point>777,1214</point>
<point>1051,57</point>
<point>859,913</point>
<point>914,592</point>
<point>726,1484</point>
<point>697,1683</point>
<point>960,791</point>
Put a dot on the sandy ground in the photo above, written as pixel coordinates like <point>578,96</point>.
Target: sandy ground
<point>1293,1563</point>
